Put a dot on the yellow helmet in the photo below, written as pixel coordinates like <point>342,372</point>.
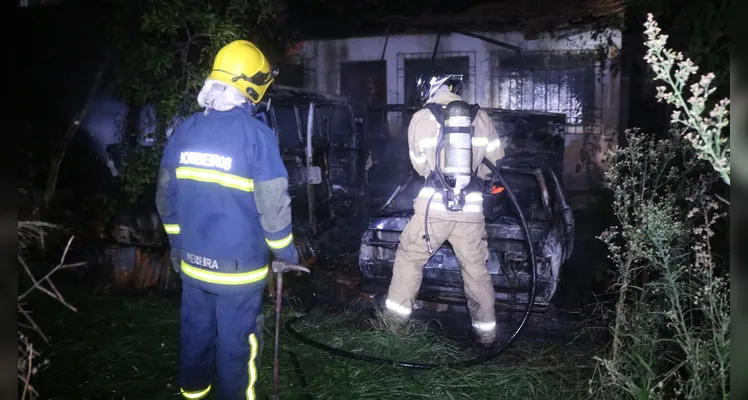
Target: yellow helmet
<point>242,65</point>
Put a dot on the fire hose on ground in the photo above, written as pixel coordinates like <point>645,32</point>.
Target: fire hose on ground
<point>417,365</point>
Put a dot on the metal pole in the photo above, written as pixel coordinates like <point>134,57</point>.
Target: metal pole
<point>386,40</point>
<point>436,47</point>
<point>276,357</point>
<point>279,267</point>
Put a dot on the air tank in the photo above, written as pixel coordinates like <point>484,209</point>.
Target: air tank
<point>457,145</point>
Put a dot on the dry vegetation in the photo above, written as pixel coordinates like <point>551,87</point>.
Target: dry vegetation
<point>671,320</point>
<point>29,233</point>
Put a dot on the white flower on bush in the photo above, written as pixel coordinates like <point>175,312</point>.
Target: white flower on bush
<point>703,132</point>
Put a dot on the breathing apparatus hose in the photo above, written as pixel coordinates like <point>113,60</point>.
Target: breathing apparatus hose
<point>437,170</point>
<point>426,225</point>
<point>466,363</point>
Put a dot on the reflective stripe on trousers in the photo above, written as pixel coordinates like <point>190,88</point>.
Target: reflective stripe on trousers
<point>196,394</point>
<point>252,368</point>
<point>397,308</point>
<point>484,326</point>
<point>405,312</point>
<point>473,200</point>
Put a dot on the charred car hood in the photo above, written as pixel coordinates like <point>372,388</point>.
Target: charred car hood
<point>507,261</point>
<point>501,228</point>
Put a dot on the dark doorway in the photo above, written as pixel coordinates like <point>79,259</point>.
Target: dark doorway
<point>364,81</point>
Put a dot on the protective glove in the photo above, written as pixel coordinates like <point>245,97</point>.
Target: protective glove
<point>176,259</point>
<point>288,254</point>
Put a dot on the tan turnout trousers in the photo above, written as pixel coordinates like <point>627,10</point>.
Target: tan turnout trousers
<point>464,230</point>
<point>469,244</point>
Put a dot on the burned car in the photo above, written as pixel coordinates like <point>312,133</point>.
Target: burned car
<point>532,167</point>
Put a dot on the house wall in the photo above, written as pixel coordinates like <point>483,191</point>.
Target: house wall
<point>585,144</point>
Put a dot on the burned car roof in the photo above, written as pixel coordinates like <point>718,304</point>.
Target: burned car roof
<point>289,94</point>
<point>531,139</point>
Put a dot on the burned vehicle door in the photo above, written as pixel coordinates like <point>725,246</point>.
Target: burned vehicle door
<point>542,208</point>
<point>335,150</point>
<point>303,147</point>
<point>563,215</point>
<point>286,122</point>
<point>346,159</point>
<point>317,145</point>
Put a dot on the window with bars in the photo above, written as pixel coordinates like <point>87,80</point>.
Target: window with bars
<point>559,82</point>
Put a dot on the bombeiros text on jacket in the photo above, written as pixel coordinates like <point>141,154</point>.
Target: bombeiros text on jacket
<point>205,160</point>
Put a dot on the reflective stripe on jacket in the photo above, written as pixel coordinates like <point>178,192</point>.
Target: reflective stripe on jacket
<point>471,212</point>
<point>473,200</point>
<point>224,169</point>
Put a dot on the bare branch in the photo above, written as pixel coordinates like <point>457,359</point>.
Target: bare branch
<point>65,252</point>
<point>61,265</point>
<point>33,324</point>
<point>28,272</point>
<point>29,368</point>
<point>27,233</point>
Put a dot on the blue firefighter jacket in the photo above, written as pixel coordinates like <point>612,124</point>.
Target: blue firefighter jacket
<point>215,161</point>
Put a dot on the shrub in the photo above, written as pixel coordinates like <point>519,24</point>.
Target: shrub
<point>671,329</point>
<point>703,132</point>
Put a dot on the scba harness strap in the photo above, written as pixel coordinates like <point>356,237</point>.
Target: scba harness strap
<point>437,110</point>
<point>434,179</point>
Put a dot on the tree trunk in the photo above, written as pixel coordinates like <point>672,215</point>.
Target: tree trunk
<point>64,142</point>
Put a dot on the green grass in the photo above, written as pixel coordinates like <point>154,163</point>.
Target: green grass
<point>113,348</point>
<point>127,348</point>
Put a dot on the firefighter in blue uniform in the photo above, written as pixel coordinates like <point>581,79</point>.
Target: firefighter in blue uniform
<point>223,198</point>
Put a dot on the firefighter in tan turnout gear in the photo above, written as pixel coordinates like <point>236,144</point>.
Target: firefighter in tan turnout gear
<point>451,201</point>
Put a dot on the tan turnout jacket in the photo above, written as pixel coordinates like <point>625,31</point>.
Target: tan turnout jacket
<point>422,136</point>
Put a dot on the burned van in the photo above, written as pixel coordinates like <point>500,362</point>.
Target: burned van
<point>320,141</point>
